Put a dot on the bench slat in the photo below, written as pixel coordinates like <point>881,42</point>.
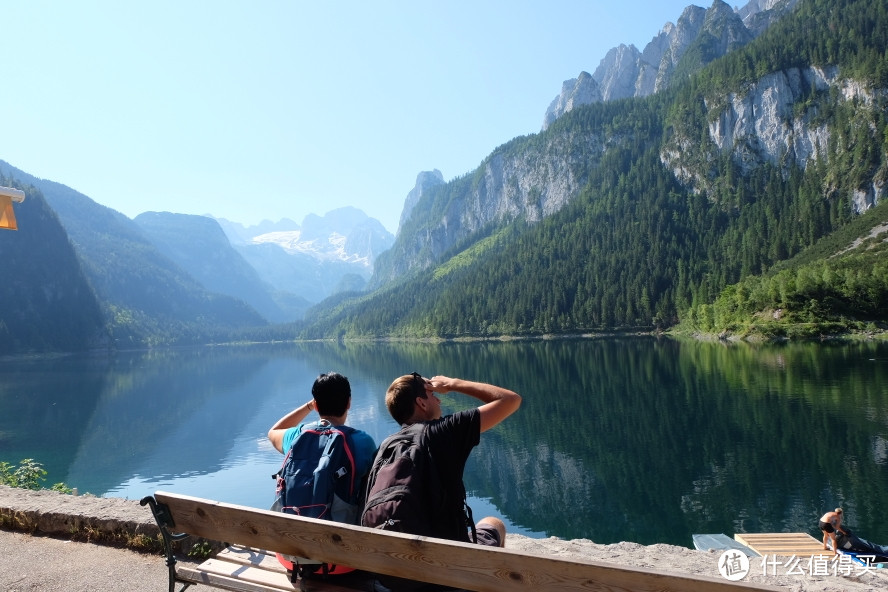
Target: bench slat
<point>251,556</point>
<point>472,567</point>
<point>243,578</point>
<point>231,579</point>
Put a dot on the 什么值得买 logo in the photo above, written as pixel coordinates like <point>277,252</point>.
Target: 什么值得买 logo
<point>733,565</point>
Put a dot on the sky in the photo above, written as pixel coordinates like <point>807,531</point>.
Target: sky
<point>264,110</point>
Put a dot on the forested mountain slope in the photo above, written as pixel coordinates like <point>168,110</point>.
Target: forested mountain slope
<point>199,246</point>
<point>625,214</point>
<point>146,299</point>
<point>48,304</point>
<point>838,284</point>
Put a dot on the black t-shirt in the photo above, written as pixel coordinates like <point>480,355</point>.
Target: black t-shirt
<point>450,441</point>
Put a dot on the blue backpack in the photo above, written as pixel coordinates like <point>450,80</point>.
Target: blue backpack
<point>317,479</point>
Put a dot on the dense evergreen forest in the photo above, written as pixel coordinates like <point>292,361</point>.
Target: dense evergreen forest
<point>48,304</point>
<point>840,284</point>
<point>637,249</point>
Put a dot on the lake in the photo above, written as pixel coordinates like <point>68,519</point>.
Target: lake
<point>618,439</point>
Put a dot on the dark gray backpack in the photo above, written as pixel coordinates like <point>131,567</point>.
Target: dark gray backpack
<point>402,487</point>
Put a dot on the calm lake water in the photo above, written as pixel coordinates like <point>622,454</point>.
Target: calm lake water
<point>635,439</point>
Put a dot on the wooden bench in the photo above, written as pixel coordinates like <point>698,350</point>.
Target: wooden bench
<point>246,567</point>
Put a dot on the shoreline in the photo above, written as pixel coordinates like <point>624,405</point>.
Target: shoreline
<point>119,522</point>
<point>752,339</point>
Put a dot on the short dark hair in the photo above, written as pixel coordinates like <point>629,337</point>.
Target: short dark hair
<point>331,393</point>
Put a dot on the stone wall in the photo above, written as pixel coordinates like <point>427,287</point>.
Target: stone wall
<point>97,519</point>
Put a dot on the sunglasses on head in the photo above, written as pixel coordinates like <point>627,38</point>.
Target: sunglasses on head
<point>419,385</point>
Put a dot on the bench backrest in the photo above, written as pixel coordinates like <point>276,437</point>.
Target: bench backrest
<point>460,565</point>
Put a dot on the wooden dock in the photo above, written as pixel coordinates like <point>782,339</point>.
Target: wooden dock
<point>800,544</point>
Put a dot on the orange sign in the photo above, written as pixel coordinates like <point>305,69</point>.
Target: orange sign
<point>7,216</point>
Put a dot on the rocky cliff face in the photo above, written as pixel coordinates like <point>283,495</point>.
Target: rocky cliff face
<point>758,15</point>
<point>760,126</point>
<point>517,181</point>
<point>764,126</point>
<point>424,182</point>
<point>699,36</point>
<point>582,90</point>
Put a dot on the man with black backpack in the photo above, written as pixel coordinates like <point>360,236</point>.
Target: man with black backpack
<point>416,482</point>
<point>326,463</point>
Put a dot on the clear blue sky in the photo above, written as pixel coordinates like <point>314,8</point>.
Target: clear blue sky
<point>271,109</point>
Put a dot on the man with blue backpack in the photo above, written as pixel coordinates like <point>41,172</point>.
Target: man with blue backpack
<point>326,462</point>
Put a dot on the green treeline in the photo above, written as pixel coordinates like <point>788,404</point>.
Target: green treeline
<point>847,289</point>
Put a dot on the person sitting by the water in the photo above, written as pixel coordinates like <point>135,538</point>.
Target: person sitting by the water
<point>331,398</point>
<point>829,524</point>
<point>449,439</point>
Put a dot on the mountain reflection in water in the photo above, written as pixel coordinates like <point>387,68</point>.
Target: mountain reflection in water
<point>635,439</point>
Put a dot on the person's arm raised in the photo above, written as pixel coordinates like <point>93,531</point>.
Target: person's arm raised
<point>497,403</point>
<point>290,420</point>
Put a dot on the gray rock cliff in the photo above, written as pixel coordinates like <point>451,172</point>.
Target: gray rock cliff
<point>581,90</point>
<point>424,181</point>
<point>517,181</point>
<point>763,126</point>
<point>627,72</point>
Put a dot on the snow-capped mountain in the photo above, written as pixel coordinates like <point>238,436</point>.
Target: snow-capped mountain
<point>316,259</point>
<point>333,248</point>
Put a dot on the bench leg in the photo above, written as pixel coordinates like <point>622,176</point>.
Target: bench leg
<point>165,523</point>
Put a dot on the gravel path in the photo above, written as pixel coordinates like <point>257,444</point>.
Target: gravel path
<point>52,563</point>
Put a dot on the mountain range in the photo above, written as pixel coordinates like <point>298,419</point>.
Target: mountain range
<point>325,255</point>
<point>165,278</point>
<point>698,37</point>
<point>733,147</point>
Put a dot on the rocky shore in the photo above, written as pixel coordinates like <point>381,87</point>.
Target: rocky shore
<point>118,522</point>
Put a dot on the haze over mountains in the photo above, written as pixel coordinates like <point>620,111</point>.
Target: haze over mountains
<point>279,268</point>
<point>734,141</point>
<point>163,269</point>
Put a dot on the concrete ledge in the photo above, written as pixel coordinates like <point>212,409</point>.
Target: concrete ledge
<point>97,519</point>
